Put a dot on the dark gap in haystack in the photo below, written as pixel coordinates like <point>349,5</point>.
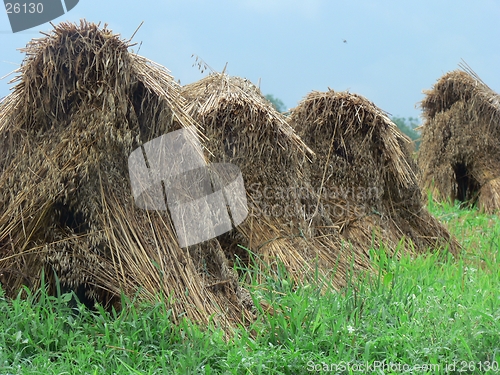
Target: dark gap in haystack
<point>232,242</point>
<point>139,104</point>
<point>82,296</point>
<point>86,295</point>
<point>70,222</point>
<point>467,186</point>
<point>69,219</point>
<point>341,150</point>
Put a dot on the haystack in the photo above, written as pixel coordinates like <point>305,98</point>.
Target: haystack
<point>460,150</point>
<point>243,128</point>
<point>365,177</point>
<point>81,105</point>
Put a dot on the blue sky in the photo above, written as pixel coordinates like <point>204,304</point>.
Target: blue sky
<point>393,50</point>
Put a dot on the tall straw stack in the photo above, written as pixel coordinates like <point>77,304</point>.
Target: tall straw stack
<point>460,150</point>
<point>243,128</point>
<point>365,177</point>
<point>81,105</point>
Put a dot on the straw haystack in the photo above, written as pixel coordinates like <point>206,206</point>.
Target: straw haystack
<point>460,150</point>
<point>243,128</point>
<point>81,105</point>
<point>364,175</point>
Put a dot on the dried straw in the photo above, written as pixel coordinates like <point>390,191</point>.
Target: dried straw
<point>308,216</point>
<point>243,128</point>
<point>460,153</point>
<point>365,176</point>
<point>81,105</point>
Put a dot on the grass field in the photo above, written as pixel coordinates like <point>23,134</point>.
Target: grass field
<point>431,314</point>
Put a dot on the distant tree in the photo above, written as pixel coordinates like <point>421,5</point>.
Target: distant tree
<point>277,103</point>
<point>407,126</point>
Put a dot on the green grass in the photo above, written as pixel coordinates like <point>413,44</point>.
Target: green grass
<point>431,310</point>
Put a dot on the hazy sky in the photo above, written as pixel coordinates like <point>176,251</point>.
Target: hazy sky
<point>392,51</point>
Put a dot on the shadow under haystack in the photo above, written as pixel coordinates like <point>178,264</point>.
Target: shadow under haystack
<point>244,129</point>
<point>82,104</point>
<point>460,150</point>
<point>365,177</point>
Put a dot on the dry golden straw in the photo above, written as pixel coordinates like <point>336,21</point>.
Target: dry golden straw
<point>324,214</point>
<point>323,186</point>
<point>81,105</point>
<point>365,176</point>
<point>460,149</point>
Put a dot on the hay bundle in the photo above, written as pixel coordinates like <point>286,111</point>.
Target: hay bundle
<point>82,104</point>
<point>364,175</point>
<point>460,150</point>
<point>243,128</point>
